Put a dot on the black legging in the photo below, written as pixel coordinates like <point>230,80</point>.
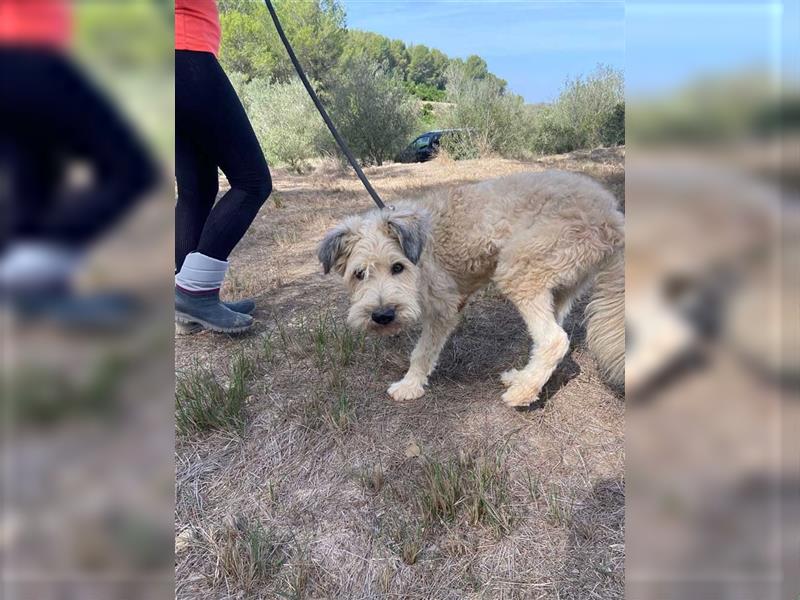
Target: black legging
<point>51,115</point>
<point>212,130</point>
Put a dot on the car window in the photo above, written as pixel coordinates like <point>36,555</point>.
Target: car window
<point>422,141</point>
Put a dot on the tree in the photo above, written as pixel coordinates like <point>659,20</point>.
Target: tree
<point>251,46</point>
<point>372,110</point>
<point>400,57</point>
<point>475,67</point>
<point>440,62</point>
<point>426,67</point>
<point>372,46</point>
<point>420,66</point>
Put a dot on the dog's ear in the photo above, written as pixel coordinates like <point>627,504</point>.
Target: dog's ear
<point>411,228</point>
<point>335,248</point>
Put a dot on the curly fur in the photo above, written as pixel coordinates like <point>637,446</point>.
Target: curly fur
<point>542,238</point>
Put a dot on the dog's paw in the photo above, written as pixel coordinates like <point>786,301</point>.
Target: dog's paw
<point>406,390</point>
<point>519,396</point>
<point>509,377</point>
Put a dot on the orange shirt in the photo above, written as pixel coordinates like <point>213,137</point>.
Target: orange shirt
<point>197,26</point>
<point>36,23</point>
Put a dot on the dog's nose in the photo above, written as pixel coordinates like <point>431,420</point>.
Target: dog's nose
<point>383,315</point>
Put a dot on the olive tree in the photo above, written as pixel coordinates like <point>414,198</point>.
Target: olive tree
<point>372,110</point>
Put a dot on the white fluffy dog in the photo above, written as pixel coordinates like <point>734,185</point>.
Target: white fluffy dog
<point>542,238</point>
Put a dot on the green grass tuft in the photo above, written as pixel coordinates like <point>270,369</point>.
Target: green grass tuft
<point>202,403</point>
<point>476,486</point>
<point>443,490</point>
<point>411,544</point>
<point>558,508</point>
<point>332,344</point>
<point>250,554</point>
<point>407,539</point>
<point>340,413</point>
<point>44,396</point>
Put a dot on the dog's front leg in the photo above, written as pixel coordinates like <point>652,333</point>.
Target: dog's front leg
<point>436,328</point>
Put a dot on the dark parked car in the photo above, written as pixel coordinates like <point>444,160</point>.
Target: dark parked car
<point>424,147</point>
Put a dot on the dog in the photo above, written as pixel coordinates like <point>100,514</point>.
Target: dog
<point>542,238</point>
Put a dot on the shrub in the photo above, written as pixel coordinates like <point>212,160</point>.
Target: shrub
<point>493,119</point>
<point>551,135</point>
<point>589,112</point>
<point>372,110</point>
<point>285,120</point>
<point>427,116</point>
<point>612,131</point>
<point>425,91</point>
<point>462,145</point>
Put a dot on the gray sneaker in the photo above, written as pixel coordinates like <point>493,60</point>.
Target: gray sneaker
<point>206,310</point>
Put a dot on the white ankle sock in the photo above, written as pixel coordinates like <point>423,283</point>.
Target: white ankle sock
<point>201,273</point>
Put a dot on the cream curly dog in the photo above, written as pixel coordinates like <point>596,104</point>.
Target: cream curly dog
<point>542,238</point>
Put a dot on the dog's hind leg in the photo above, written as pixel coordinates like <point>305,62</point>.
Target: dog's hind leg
<point>551,344</point>
<point>564,298</point>
<point>436,329</point>
<point>541,277</point>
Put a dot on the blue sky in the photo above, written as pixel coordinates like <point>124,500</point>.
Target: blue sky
<point>534,45</point>
<point>669,43</point>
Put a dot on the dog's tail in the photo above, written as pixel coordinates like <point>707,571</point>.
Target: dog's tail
<point>605,319</point>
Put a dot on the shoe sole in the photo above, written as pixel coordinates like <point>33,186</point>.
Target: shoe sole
<point>182,328</point>
<point>184,319</point>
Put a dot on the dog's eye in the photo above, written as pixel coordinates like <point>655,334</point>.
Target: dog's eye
<point>359,274</point>
<point>397,268</point>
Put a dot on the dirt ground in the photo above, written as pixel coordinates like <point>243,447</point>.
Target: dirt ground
<point>321,486</point>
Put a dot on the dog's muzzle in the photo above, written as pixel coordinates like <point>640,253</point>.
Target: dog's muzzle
<point>383,315</point>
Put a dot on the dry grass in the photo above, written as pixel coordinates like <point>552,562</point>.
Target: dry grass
<point>319,486</point>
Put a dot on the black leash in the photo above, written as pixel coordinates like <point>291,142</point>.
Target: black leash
<point>339,140</point>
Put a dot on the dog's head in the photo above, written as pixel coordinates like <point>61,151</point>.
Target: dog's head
<point>377,255</point>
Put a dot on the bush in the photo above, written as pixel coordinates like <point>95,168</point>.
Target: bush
<point>372,110</point>
<point>285,120</point>
<point>427,116</point>
<point>424,91</point>
<point>589,112</point>
<point>612,132</point>
<point>494,120</point>
<point>550,134</point>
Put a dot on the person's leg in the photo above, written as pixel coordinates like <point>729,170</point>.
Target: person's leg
<point>53,116</point>
<point>83,125</point>
<point>31,174</point>
<point>198,184</point>
<point>196,176</point>
<point>203,114</point>
<point>207,107</point>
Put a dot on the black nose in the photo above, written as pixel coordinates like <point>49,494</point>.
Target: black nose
<point>383,315</point>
